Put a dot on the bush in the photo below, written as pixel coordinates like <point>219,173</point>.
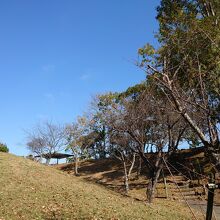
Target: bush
<point>30,157</point>
<point>4,148</point>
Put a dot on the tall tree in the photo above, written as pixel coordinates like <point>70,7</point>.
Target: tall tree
<point>186,66</point>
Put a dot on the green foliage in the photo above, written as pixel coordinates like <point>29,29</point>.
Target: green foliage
<point>189,36</point>
<point>106,99</point>
<point>148,53</point>
<point>133,91</point>
<point>4,148</point>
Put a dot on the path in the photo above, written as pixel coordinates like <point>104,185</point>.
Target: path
<point>201,206</point>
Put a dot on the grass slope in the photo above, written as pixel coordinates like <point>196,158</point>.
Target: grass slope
<point>33,191</point>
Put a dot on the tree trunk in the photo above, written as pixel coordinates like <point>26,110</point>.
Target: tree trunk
<point>48,161</point>
<point>152,183</point>
<point>76,167</point>
<point>125,178</point>
<point>132,165</point>
<point>139,168</point>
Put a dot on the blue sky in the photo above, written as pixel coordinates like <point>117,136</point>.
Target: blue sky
<point>56,54</point>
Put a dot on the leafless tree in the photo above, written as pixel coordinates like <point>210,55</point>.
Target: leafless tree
<point>120,149</point>
<point>45,139</point>
<point>147,122</point>
<point>76,136</point>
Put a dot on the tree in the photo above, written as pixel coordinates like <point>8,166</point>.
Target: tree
<point>75,136</point>
<point>46,139</point>
<point>186,67</point>
<point>144,119</point>
<point>98,136</point>
<point>121,150</point>
<point>4,148</point>
<point>151,124</point>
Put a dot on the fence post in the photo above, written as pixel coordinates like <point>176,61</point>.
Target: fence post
<point>211,190</point>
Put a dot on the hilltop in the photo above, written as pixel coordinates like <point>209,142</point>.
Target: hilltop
<point>33,191</point>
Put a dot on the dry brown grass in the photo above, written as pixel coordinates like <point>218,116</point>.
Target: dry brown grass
<point>33,191</point>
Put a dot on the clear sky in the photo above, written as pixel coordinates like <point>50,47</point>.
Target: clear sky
<point>56,54</point>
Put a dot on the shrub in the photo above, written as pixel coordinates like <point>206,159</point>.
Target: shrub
<point>4,148</point>
<point>30,157</point>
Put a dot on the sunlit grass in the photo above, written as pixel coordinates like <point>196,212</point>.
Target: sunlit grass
<point>33,191</point>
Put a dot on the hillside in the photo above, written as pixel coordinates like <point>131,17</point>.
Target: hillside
<point>33,191</point>
<point>110,173</point>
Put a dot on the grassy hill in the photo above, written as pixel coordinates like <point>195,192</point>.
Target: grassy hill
<point>33,191</point>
